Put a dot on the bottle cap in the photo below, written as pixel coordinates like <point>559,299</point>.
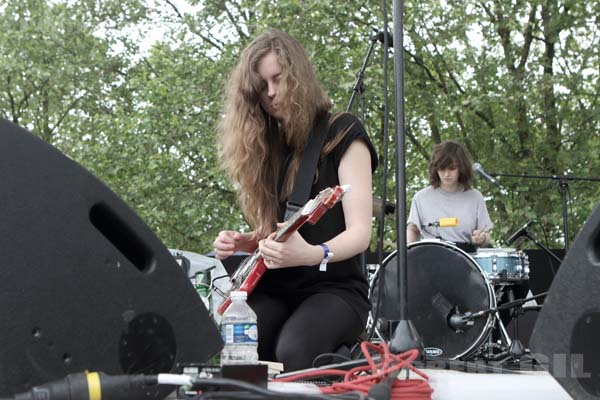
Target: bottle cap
<point>238,294</point>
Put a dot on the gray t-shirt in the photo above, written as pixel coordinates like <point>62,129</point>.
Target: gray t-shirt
<point>430,204</point>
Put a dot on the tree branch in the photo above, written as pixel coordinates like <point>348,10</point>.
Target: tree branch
<point>64,114</point>
<point>211,41</point>
<point>528,37</point>
<point>233,21</point>
<point>419,62</point>
<point>174,7</point>
<point>413,139</point>
<point>504,33</point>
<point>15,119</point>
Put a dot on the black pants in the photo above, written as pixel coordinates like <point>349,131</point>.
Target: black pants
<point>295,331</point>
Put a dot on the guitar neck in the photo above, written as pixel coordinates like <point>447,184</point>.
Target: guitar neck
<point>290,227</point>
<point>312,211</point>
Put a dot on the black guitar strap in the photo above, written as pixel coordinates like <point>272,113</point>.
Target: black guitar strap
<point>308,166</point>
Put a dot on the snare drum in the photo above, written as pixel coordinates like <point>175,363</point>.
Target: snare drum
<point>503,265</point>
<point>442,279</point>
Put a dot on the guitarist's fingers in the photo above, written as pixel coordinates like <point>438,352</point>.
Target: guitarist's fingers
<point>271,263</point>
<point>221,254</point>
<point>224,244</point>
<point>267,252</point>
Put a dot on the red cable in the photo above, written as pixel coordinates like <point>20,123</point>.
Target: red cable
<point>359,379</point>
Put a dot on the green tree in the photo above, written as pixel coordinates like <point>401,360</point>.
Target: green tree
<point>516,81</point>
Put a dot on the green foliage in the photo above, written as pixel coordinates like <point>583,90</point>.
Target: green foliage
<point>517,82</point>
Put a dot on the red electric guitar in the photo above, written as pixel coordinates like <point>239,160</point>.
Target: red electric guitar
<point>247,275</point>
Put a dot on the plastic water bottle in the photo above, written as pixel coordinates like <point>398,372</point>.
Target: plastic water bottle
<point>239,332</point>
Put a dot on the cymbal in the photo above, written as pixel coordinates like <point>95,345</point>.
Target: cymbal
<point>390,208</point>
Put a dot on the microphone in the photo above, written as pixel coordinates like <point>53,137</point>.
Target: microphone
<point>462,321</point>
<point>459,322</point>
<point>380,36</point>
<point>520,232</point>
<point>479,169</point>
<point>444,222</point>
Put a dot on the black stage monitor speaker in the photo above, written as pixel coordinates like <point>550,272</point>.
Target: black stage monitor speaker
<point>85,284</point>
<point>566,336</point>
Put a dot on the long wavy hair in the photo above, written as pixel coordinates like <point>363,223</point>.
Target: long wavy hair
<point>447,154</point>
<point>252,144</point>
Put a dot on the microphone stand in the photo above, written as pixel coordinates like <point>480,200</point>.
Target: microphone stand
<point>563,182</point>
<point>359,88</point>
<point>358,85</point>
<point>405,335</point>
<point>535,240</point>
<point>459,321</point>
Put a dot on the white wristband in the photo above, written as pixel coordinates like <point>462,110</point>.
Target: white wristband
<point>327,254</point>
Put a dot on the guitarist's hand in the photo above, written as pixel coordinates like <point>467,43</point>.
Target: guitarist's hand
<point>228,242</point>
<point>293,252</point>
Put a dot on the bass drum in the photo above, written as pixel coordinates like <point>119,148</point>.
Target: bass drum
<point>442,280</point>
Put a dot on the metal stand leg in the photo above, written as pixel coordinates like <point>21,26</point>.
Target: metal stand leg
<point>504,335</point>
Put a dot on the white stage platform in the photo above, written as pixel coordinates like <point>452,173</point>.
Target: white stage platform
<point>455,385</point>
<point>450,385</point>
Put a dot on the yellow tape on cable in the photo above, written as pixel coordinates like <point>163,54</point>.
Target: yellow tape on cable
<point>94,387</point>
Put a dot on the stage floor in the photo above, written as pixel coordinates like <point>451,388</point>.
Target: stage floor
<point>455,385</point>
<point>450,385</point>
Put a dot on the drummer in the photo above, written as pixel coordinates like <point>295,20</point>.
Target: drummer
<point>450,196</point>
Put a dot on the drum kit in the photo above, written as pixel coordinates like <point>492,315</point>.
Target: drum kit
<point>453,299</point>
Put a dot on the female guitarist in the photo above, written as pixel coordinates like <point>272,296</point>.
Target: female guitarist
<point>313,296</point>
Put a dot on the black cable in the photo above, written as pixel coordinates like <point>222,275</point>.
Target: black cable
<point>550,261</point>
<point>213,287</point>
<point>261,393</point>
<point>333,356</point>
<point>87,385</point>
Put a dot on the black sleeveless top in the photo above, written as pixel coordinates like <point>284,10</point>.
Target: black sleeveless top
<point>343,278</point>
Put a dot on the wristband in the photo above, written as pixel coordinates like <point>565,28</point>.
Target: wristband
<point>327,254</point>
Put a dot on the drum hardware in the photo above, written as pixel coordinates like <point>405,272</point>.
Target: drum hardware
<point>516,349</point>
<point>505,349</point>
<point>468,316</point>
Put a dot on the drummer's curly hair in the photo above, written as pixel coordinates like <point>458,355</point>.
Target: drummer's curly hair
<point>447,154</point>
